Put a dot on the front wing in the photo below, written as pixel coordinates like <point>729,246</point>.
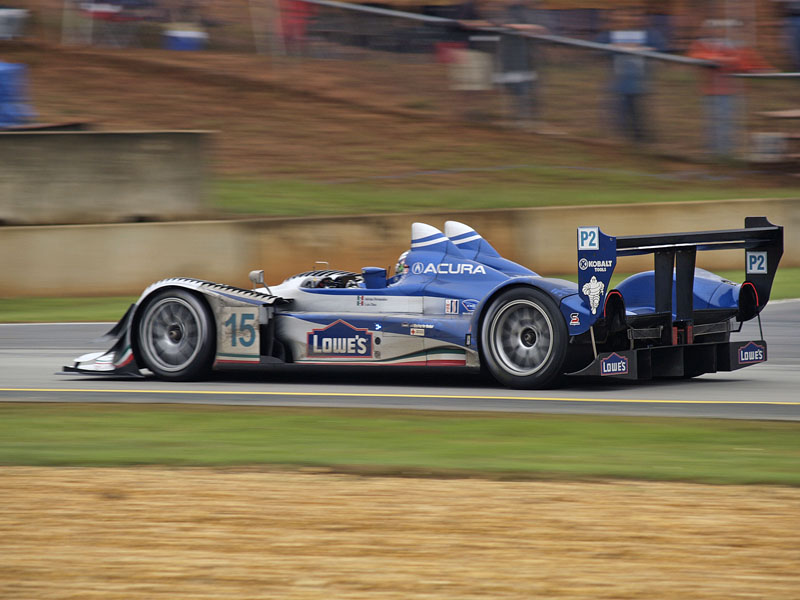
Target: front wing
<point>244,326</point>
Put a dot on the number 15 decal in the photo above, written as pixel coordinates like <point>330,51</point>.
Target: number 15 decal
<point>237,335</point>
<point>246,333</point>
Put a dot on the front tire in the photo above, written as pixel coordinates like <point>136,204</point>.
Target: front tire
<point>176,336</point>
<point>524,339</point>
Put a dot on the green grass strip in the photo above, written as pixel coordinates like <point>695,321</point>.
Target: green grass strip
<point>403,443</point>
<point>63,310</point>
<point>55,310</point>
<point>524,187</point>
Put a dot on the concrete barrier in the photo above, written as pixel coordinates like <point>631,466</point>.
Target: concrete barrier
<point>121,259</point>
<point>49,177</point>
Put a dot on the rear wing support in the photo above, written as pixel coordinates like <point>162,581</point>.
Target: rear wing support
<point>761,240</point>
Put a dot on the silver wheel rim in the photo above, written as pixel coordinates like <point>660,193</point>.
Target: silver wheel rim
<point>521,337</point>
<point>172,333</point>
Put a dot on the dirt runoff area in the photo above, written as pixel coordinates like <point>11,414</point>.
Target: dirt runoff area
<point>204,533</point>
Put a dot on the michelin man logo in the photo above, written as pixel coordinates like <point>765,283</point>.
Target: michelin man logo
<point>594,289</point>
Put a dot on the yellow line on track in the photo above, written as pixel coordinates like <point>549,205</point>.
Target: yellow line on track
<point>384,395</point>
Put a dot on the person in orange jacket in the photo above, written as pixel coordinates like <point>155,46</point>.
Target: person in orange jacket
<point>720,89</point>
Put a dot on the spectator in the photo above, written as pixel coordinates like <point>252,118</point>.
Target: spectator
<point>295,17</point>
<point>471,61</point>
<point>791,13</point>
<point>722,91</point>
<point>517,59</point>
<point>630,78</point>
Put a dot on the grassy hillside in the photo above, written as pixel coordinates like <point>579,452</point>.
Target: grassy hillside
<point>384,133</point>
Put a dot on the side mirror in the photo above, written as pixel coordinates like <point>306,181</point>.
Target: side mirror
<point>374,277</point>
<point>257,278</point>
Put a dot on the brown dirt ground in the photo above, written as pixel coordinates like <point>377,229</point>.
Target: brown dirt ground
<point>201,533</point>
<point>284,117</point>
<point>325,120</point>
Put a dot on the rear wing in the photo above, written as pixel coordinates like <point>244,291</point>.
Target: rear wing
<point>598,252</point>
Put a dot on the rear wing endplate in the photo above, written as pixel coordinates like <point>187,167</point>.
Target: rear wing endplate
<point>598,252</point>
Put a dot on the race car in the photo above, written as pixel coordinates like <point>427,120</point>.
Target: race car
<point>454,301</point>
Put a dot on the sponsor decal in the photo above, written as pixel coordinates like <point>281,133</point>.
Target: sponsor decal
<point>378,327</point>
<point>751,353</point>
<point>470,305</point>
<point>422,325</point>
<point>574,319</point>
<point>756,263</point>
<point>419,268</point>
<point>614,364</point>
<point>588,238</point>
<point>598,265</point>
<point>451,307</point>
<point>417,331</point>
<point>340,339</point>
<point>594,291</point>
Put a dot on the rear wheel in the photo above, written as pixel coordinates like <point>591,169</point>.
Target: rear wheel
<point>176,336</point>
<point>524,339</point>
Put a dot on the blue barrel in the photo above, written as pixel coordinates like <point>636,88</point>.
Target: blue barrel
<point>13,108</point>
<point>185,40</point>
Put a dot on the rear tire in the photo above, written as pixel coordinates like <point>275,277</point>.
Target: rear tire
<point>524,339</point>
<point>176,336</point>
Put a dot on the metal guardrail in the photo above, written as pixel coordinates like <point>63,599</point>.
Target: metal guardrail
<point>553,39</point>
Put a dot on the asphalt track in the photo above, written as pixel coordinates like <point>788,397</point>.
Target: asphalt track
<point>32,354</point>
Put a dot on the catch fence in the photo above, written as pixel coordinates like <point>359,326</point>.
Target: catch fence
<point>431,65</point>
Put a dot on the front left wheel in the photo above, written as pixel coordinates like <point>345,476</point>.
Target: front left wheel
<point>176,336</point>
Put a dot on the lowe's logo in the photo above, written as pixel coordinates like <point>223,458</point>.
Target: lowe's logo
<point>752,353</point>
<point>340,339</point>
<point>419,268</point>
<point>614,364</point>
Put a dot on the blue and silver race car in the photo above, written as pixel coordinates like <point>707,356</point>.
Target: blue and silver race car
<point>454,301</point>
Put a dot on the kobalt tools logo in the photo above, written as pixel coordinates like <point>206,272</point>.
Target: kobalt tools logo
<point>614,364</point>
<point>419,268</point>
<point>340,339</point>
<point>597,265</point>
<point>752,353</point>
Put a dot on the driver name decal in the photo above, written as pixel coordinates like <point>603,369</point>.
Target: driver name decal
<point>339,339</point>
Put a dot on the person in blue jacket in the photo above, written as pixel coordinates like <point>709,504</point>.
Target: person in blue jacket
<point>630,77</point>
